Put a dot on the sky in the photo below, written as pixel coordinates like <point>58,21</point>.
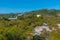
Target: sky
<point>16,6</point>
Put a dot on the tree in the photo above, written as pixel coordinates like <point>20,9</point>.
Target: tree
<point>37,37</point>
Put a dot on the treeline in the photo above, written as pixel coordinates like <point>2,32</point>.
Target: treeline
<point>53,12</point>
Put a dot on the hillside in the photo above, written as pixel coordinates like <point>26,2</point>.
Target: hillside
<point>34,25</point>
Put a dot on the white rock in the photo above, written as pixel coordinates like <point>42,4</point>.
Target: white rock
<point>38,29</point>
<point>58,26</point>
<point>53,29</point>
<point>38,15</point>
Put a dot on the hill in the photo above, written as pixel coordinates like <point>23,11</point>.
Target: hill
<point>34,25</point>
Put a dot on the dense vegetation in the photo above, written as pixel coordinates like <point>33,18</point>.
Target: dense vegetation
<point>22,27</point>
